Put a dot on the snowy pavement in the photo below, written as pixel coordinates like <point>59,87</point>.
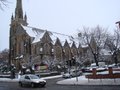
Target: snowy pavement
<point>84,81</point>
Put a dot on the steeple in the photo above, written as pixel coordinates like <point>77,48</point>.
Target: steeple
<point>19,10</point>
<point>19,14</point>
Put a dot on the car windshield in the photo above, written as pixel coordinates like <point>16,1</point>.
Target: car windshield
<point>34,77</point>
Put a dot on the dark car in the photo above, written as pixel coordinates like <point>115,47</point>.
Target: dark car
<point>31,80</point>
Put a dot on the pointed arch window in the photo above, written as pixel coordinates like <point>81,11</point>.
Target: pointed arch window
<point>46,48</point>
<point>41,49</point>
<point>58,52</point>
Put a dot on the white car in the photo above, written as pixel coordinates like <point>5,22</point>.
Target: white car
<point>76,73</point>
<point>32,80</point>
<point>66,75</point>
<point>73,73</point>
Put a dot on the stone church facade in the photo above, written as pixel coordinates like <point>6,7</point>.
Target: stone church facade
<point>30,46</point>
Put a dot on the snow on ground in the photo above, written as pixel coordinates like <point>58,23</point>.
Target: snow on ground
<point>51,77</point>
<point>9,80</point>
<point>84,81</point>
<point>17,78</point>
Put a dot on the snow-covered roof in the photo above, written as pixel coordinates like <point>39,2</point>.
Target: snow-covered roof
<point>62,38</point>
<point>105,52</point>
<point>38,34</point>
<point>34,32</point>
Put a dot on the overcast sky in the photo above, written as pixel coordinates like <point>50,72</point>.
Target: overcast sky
<point>63,16</point>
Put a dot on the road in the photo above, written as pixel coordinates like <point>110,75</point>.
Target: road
<point>51,85</point>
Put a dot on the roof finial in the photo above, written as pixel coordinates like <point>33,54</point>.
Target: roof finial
<point>12,18</point>
<point>25,17</point>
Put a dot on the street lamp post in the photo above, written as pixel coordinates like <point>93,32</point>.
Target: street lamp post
<point>28,46</point>
<point>64,59</point>
<point>74,58</point>
<point>69,64</point>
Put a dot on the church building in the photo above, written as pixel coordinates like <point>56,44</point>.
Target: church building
<point>31,46</point>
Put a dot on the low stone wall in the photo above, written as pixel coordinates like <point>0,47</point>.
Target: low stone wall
<point>94,74</point>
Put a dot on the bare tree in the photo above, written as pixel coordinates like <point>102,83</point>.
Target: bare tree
<point>94,38</point>
<point>113,43</point>
<point>4,55</point>
<point>3,3</point>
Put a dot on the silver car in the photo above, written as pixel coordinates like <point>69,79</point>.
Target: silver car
<point>66,75</point>
<point>31,80</point>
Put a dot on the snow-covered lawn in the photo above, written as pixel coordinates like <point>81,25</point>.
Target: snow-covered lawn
<point>84,81</point>
<point>9,80</point>
<point>17,78</point>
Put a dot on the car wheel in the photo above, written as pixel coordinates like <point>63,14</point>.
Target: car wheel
<point>32,85</point>
<point>43,85</point>
<point>20,84</point>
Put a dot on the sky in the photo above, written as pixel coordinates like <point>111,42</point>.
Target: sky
<point>62,16</point>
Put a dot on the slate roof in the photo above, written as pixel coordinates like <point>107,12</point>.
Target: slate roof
<point>38,34</point>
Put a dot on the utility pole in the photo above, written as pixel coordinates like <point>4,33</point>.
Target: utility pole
<point>74,59</point>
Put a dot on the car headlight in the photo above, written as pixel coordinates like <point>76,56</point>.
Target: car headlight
<point>44,81</point>
<point>37,81</point>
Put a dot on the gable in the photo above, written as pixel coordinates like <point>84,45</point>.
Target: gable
<point>38,34</point>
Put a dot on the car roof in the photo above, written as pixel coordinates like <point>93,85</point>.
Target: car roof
<point>28,75</point>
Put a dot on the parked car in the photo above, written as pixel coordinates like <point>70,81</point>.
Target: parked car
<point>66,75</point>
<point>73,73</point>
<point>32,80</point>
<point>76,73</point>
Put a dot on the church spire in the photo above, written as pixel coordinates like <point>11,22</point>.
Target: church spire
<point>19,14</point>
<point>19,10</point>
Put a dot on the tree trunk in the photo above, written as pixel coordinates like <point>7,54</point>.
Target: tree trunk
<point>115,58</point>
<point>95,58</point>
